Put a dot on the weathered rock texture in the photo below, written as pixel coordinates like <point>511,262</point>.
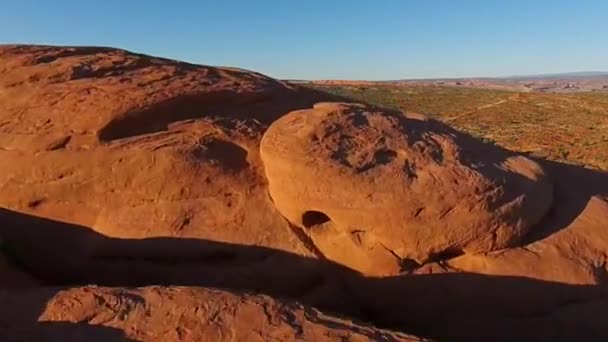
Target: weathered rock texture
<point>172,314</point>
<point>128,171</point>
<point>136,146</point>
<point>397,186</point>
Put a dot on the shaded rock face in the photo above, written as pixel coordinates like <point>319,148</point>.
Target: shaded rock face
<point>374,187</point>
<point>175,314</point>
<point>443,304</point>
<point>12,277</point>
<point>129,171</point>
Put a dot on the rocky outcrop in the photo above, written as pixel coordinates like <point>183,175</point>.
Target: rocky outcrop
<point>126,170</point>
<point>172,314</point>
<point>135,146</point>
<point>375,188</point>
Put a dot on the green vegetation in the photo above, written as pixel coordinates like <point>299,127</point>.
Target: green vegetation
<point>566,127</point>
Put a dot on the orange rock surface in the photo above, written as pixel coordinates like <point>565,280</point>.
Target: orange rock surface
<point>392,187</point>
<point>132,172</point>
<point>173,314</point>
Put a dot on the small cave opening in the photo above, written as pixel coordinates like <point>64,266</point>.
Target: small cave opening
<point>313,218</point>
<point>445,255</point>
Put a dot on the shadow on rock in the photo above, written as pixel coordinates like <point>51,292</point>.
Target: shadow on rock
<point>20,321</point>
<point>450,306</point>
<point>264,108</point>
<point>574,187</point>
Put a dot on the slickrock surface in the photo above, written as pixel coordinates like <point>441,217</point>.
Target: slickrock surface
<point>377,187</point>
<point>172,314</point>
<point>210,200</point>
<point>136,146</point>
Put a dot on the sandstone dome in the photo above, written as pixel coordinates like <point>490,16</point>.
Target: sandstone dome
<point>136,146</point>
<point>376,187</point>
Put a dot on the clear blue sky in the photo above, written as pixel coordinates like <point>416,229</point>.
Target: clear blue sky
<point>332,39</point>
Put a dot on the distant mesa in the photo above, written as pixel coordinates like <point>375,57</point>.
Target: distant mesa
<point>554,83</point>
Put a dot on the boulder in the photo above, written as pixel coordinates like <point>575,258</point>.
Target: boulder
<point>374,188</point>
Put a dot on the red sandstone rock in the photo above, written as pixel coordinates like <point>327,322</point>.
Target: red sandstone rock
<point>128,170</point>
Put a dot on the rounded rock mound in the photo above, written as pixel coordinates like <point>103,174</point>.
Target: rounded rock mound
<point>375,189</point>
<point>138,146</point>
